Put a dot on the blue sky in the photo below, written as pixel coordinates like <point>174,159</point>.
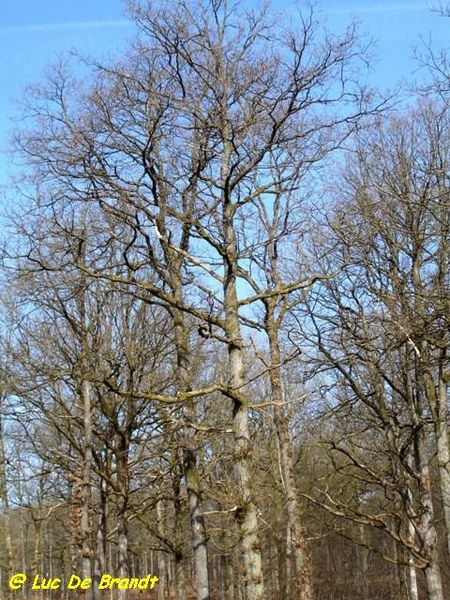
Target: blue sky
<point>34,32</point>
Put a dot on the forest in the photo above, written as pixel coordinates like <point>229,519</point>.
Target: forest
<point>225,317</point>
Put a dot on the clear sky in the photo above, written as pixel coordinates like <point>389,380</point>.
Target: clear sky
<point>34,32</point>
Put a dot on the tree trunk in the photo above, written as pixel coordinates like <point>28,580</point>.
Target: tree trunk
<point>363,563</point>
<point>246,514</point>
<point>296,546</point>
<point>201,575</point>
<point>85,525</point>
<point>230,577</point>
<point>178,504</point>
<point>437,399</point>
<point>413,589</point>
<point>434,582</point>
<point>36,566</point>
<point>9,556</point>
<point>122,450</point>
<point>100,554</point>
<point>163,570</point>
<point>426,527</point>
<point>443,458</point>
<point>190,468</point>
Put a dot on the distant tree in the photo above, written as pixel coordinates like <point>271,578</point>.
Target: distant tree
<point>382,323</point>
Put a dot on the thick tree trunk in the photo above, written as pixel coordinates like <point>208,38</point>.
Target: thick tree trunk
<point>422,529</point>
<point>426,527</point>
<point>443,458</point>
<point>246,511</point>
<point>437,399</point>
<point>434,582</point>
<point>413,588</point>
<point>246,514</point>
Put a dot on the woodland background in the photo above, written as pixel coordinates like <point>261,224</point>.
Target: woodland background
<point>225,316</point>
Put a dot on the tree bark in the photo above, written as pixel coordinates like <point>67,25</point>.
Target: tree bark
<point>246,514</point>
<point>436,394</point>
<point>425,525</point>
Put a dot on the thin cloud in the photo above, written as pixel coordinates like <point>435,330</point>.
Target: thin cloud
<point>64,26</point>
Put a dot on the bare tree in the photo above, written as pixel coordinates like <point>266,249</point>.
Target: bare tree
<point>174,151</point>
<point>382,323</point>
